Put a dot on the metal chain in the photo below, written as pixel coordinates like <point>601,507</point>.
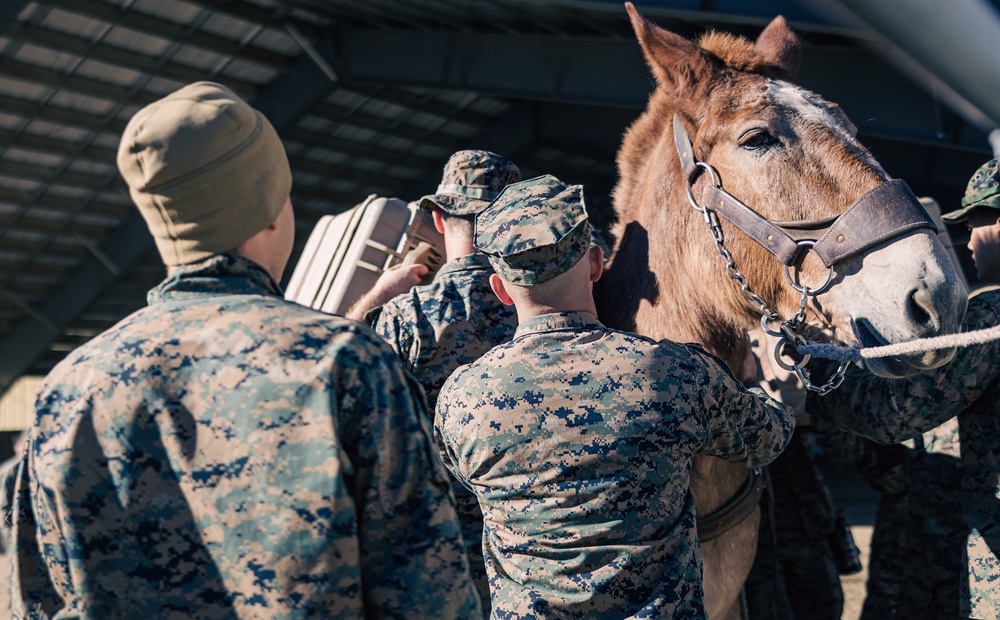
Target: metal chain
<point>712,219</point>
<point>788,331</point>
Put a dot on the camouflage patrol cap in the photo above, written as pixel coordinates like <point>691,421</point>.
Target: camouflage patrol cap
<point>983,191</point>
<point>534,231</point>
<point>471,180</point>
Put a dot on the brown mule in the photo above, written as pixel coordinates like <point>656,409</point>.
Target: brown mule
<point>789,156</point>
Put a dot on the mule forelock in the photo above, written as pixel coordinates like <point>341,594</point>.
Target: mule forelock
<point>736,52</point>
<point>814,109</point>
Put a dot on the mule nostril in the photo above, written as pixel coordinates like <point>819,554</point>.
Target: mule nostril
<point>920,308</point>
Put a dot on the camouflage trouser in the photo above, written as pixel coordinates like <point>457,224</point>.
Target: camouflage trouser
<point>886,565</point>
<point>881,467</point>
<point>796,578</point>
<point>916,560</point>
<point>935,539</point>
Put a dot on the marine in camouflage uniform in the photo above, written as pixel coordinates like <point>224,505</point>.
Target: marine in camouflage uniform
<point>794,574</point>
<point>223,453</point>
<point>456,318</point>
<point>578,439</point>
<point>890,560</point>
<point>8,478</point>
<point>968,387</point>
<point>915,563</point>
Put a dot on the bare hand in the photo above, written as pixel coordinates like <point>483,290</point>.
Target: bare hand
<point>398,279</point>
<point>393,281</point>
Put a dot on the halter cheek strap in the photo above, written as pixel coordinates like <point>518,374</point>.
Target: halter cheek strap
<point>888,211</point>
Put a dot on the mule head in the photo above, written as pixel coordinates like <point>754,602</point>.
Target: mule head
<point>790,156</point>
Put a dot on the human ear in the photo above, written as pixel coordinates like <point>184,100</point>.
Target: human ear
<point>500,290</point>
<point>438,220</point>
<point>596,256</point>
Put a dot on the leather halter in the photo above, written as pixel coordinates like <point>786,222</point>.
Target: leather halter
<point>888,211</point>
<point>732,513</point>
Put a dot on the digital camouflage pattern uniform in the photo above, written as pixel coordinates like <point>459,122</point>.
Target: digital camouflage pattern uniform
<point>890,559</point>
<point>450,322</point>
<point>936,530</point>
<point>455,318</point>
<point>794,574</point>
<point>893,411</point>
<point>578,439</point>
<point>8,478</point>
<point>223,453</point>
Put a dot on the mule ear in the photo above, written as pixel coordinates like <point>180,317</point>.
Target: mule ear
<point>781,48</point>
<point>672,58</point>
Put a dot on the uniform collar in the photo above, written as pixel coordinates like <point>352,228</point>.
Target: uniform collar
<point>469,262</point>
<point>558,321</point>
<point>222,274</point>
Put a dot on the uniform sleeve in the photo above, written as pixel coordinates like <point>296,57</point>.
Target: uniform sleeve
<point>742,425</point>
<point>446,429</point>
<point>413,561</point>
<point>388,323</point>
<point>40,585</point>
<point>20,538</point>
<point>891,411</point>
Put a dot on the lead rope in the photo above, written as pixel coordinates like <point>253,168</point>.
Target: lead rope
<point>850,354</point>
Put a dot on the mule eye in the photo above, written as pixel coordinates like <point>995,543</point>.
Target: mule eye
<point>756,139</point>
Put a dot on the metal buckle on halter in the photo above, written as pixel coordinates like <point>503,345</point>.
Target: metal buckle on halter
<point>688,183</point>
<point>808,243</point>
<point>790,336</point>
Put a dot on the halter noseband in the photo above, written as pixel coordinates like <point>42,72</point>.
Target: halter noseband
<point>888,211</point>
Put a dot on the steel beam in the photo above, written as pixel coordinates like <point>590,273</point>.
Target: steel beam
<point>291,95</point>
<point>9,10</point>
<point>31,337</point>
<point>507,136</point>
<point>121,57</point>
<point>612,73</point>
<point>152,24</point>
<point>603,72</point>
<point>738,12</point>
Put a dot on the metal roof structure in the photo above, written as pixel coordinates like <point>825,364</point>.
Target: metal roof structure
<point>369,96</point>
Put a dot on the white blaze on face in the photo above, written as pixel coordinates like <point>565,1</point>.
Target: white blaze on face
<point>814,109</point>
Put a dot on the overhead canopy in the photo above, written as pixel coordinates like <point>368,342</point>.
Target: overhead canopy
<point>369,97</point>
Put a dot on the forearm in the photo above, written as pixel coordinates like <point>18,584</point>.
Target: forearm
<point>366,303</point>
<point>768,428</point>
<point>412,552</point>
<point>393,281</point>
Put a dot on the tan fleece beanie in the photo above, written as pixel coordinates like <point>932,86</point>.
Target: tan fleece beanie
<point>206,170</point>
